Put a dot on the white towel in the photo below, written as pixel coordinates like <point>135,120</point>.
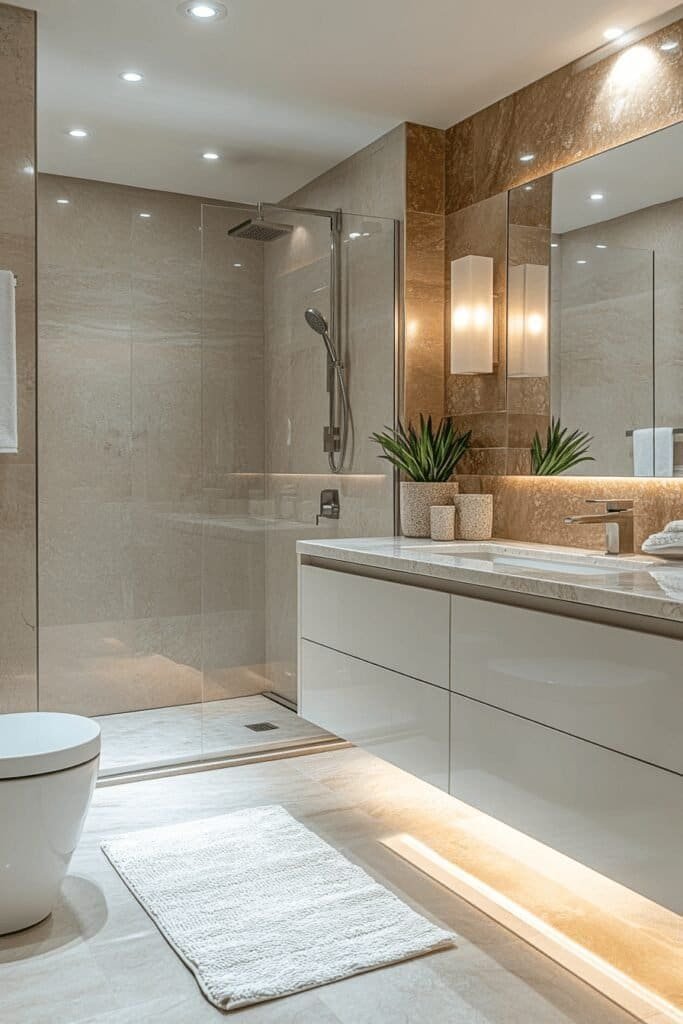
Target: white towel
<point>653,451</point>
<point>8,365</point>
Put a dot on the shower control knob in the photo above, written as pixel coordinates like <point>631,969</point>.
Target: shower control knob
<point>329,505</point>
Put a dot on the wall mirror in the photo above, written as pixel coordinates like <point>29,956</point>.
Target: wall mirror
<point>595,305</point>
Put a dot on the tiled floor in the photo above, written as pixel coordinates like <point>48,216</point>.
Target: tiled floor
<point>100,958</point>
<point>144,739</point>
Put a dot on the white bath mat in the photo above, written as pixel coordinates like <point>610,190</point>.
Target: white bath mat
<point>258,906</point>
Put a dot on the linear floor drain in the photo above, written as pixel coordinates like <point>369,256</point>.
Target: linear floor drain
<point>262,726</point>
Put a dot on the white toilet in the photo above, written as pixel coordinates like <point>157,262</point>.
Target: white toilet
<point>48,768</point>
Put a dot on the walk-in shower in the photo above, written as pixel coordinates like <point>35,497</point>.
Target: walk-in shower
<point>180,396</point>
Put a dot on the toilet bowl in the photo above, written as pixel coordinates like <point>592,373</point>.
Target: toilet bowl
<point>48,768</point>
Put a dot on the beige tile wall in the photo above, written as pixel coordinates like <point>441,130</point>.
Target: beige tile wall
<point>147,372</point>
<point>18,679</point>
<point>368,186</point>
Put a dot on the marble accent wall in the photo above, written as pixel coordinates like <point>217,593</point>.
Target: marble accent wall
<point>529,508</point>
<point>18,654</point>
<point>151,581</point>
<point>573,113</point>
<point>425,287</point>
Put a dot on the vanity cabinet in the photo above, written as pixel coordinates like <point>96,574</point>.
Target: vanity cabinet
<point>403,628</point>
<point>567,730</point>
<point>402,720</point>
<point>605,684</point>
<point>617,815</point>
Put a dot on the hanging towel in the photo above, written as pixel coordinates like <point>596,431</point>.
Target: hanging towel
<point>653,451</point>
<point>8,365</point>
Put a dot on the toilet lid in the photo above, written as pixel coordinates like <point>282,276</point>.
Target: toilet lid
<point>38,742</point>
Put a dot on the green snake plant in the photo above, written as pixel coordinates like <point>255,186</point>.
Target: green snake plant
<point>422,453</point>
<point>562,450</point>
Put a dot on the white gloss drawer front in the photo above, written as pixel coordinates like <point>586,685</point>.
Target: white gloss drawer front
<point>391,624</point>
<point>616,815</point>
<point>401,720</point>
<point>611,686</point>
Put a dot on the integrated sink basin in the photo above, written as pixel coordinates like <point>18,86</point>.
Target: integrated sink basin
<point>527,559</point>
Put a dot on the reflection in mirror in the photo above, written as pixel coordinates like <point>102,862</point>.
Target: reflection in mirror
<point>610,361</point>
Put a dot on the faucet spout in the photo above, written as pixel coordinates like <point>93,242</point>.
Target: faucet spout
<point>617,520</point>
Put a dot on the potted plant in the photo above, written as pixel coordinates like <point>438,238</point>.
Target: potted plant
<point>562,450</point>
<point>428,458</point>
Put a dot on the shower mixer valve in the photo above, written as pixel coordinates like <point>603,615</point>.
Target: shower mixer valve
<point>331,439</point>
<point>329,505</point>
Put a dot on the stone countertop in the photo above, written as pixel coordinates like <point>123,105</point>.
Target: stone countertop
<point>635,584</point>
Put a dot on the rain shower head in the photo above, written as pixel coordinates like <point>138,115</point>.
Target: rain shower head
<point>258,229</point>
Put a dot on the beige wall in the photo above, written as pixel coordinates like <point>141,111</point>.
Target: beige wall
<point>368,186</point>
<point>18,681</point>
<point>151,384</point>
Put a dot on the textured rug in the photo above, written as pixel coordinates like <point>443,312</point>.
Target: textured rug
<point>258,906</point>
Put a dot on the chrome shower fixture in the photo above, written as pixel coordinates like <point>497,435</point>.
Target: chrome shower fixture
<point>335,436</point>
<point>259,229</point>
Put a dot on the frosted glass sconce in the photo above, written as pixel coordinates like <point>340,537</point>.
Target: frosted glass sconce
<point>528,321</point>
<point>472,315</point>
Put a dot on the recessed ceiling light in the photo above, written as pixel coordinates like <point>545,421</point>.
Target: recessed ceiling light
<point>211,11</point>
<point>610,34</point>
<point>528,188</point>
<point>526,158</point>
<point>582,261</point>
<point>554,245</point>
<point>63,202</point>
<point>131,76</point>
<point>145,216</point>
<point>670,44</point>
<point>78,133</point>
<point>354,234</point>
<point>366,234</point>
<point>597,196</point>
<point>210,156</point>
<point>601,245</point>
<point>237,266</point>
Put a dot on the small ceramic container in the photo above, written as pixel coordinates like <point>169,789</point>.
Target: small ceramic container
<point>473,516</point>
<point>442,522</point>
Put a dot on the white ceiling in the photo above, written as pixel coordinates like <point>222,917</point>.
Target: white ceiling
<point>283,89</point>
<point>642,173</point>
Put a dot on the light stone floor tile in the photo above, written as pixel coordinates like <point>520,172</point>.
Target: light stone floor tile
<point>143,739</point>
<point>100,960</point>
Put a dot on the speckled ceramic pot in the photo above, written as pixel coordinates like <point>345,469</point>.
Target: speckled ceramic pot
<point>473,516</point>
<point>416,501</point>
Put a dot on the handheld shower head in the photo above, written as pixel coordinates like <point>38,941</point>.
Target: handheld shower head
<point>317,322</point>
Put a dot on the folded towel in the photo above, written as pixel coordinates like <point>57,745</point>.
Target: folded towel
<point>653,451</point>
<point>675,527</point>
<point>8,365</point>
<point>666,545</point>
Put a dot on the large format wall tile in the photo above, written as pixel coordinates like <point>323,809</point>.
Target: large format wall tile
<point>151,372</point>
<point>18,679</point>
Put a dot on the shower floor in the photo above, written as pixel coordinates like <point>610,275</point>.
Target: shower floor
<point>136,740</point>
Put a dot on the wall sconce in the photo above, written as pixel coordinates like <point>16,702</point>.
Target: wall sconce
<point>472,315</point>
<point>528,321</point>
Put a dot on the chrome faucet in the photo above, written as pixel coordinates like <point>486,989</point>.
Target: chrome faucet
<point>618,520</point>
